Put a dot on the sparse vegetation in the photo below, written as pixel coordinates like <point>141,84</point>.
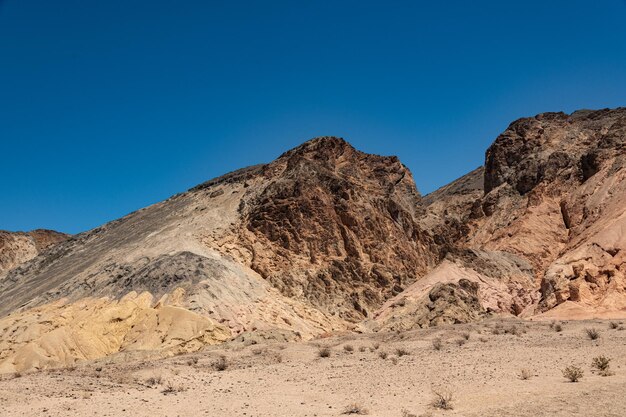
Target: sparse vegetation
<point>406,413</point>
<point>192,361</point>
<point>154,380</point>
<point>402,351</point>
<point>558,327</point>
<point>601,363</point>
<point>171,388</point>
<point>613,325</point>
<point>220,364</point>
<point>461,342</point>
<point>323,352</point>
<point>437,344</point>
<point>382,354</point>
<point>376,346</point>
<point>443,400</point>
<point>348,348</point>
<point>592,333</point>
<point>355,409</point>
<point>483,339</point>
<point>573,373</point>
<point>258,351</point>
<point>466,335</point>
<point>394,360</point>
<point>525,374</point>
<point>361,348</point>
<point>514,330</point>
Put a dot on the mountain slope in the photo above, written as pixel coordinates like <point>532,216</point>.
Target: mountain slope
<point>310,243</point>
<point>19,247</point>
<point>327,238</point>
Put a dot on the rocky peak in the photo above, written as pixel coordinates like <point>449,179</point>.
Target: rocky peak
<point>539,149</point>
<point>337,226</point>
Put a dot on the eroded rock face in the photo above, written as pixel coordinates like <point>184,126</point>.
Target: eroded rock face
<point>466,286</point>
<point>337,227</point>
<point>555,195</point>
<point>18,247</point>
<point>61,333</point>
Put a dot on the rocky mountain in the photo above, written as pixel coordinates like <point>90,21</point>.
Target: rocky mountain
<point>310,243</point>
<point>19,247</point>
<point>547,215</point>
<point>327,238</point>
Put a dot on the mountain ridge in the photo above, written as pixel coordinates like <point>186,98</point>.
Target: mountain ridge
<point>327,239</point>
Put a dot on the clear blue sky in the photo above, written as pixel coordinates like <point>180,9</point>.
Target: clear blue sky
<point>109,106</point>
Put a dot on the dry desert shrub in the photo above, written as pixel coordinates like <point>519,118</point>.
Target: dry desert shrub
<point>171,388</point>
<point>461,342</point>
<point>154,380</point>
<point>192,361</point>
<point>348,348</point>
<point>613,325</point>
<point>443,400</point>
<point>406,413</point>
<point>601,363</point>
<point>355,409</point>
<point>592,333</point>
<point>514,330</point>
<point>394,360</point>
<point>466,335</point>
<point>362,348</point>
<point>573,373</point>
<point>483,339</point>
<point>220,364</point>
<point>437,344</point>
<point>258,351</point>
<point>524,374</point>
<point>558,328</point>
<point>402,352</point>
<point>323,352</point>
<point>376,346</point>
<point>382,354</point>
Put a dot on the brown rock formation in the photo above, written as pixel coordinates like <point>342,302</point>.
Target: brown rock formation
<point>19,247</point>
<point>337,227</point>
<point>554,194</point>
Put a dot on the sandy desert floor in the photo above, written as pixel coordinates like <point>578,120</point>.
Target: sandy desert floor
<point>291,379</point>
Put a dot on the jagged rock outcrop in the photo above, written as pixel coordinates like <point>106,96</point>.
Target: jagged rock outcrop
<point>466,286</point>
<point>337,227</point>
<point>19,247</point>
<point>555,195</point>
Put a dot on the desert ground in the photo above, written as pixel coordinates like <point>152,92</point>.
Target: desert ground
<point>499,367</point>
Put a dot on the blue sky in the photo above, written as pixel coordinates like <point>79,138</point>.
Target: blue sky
<point>109,106</point>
